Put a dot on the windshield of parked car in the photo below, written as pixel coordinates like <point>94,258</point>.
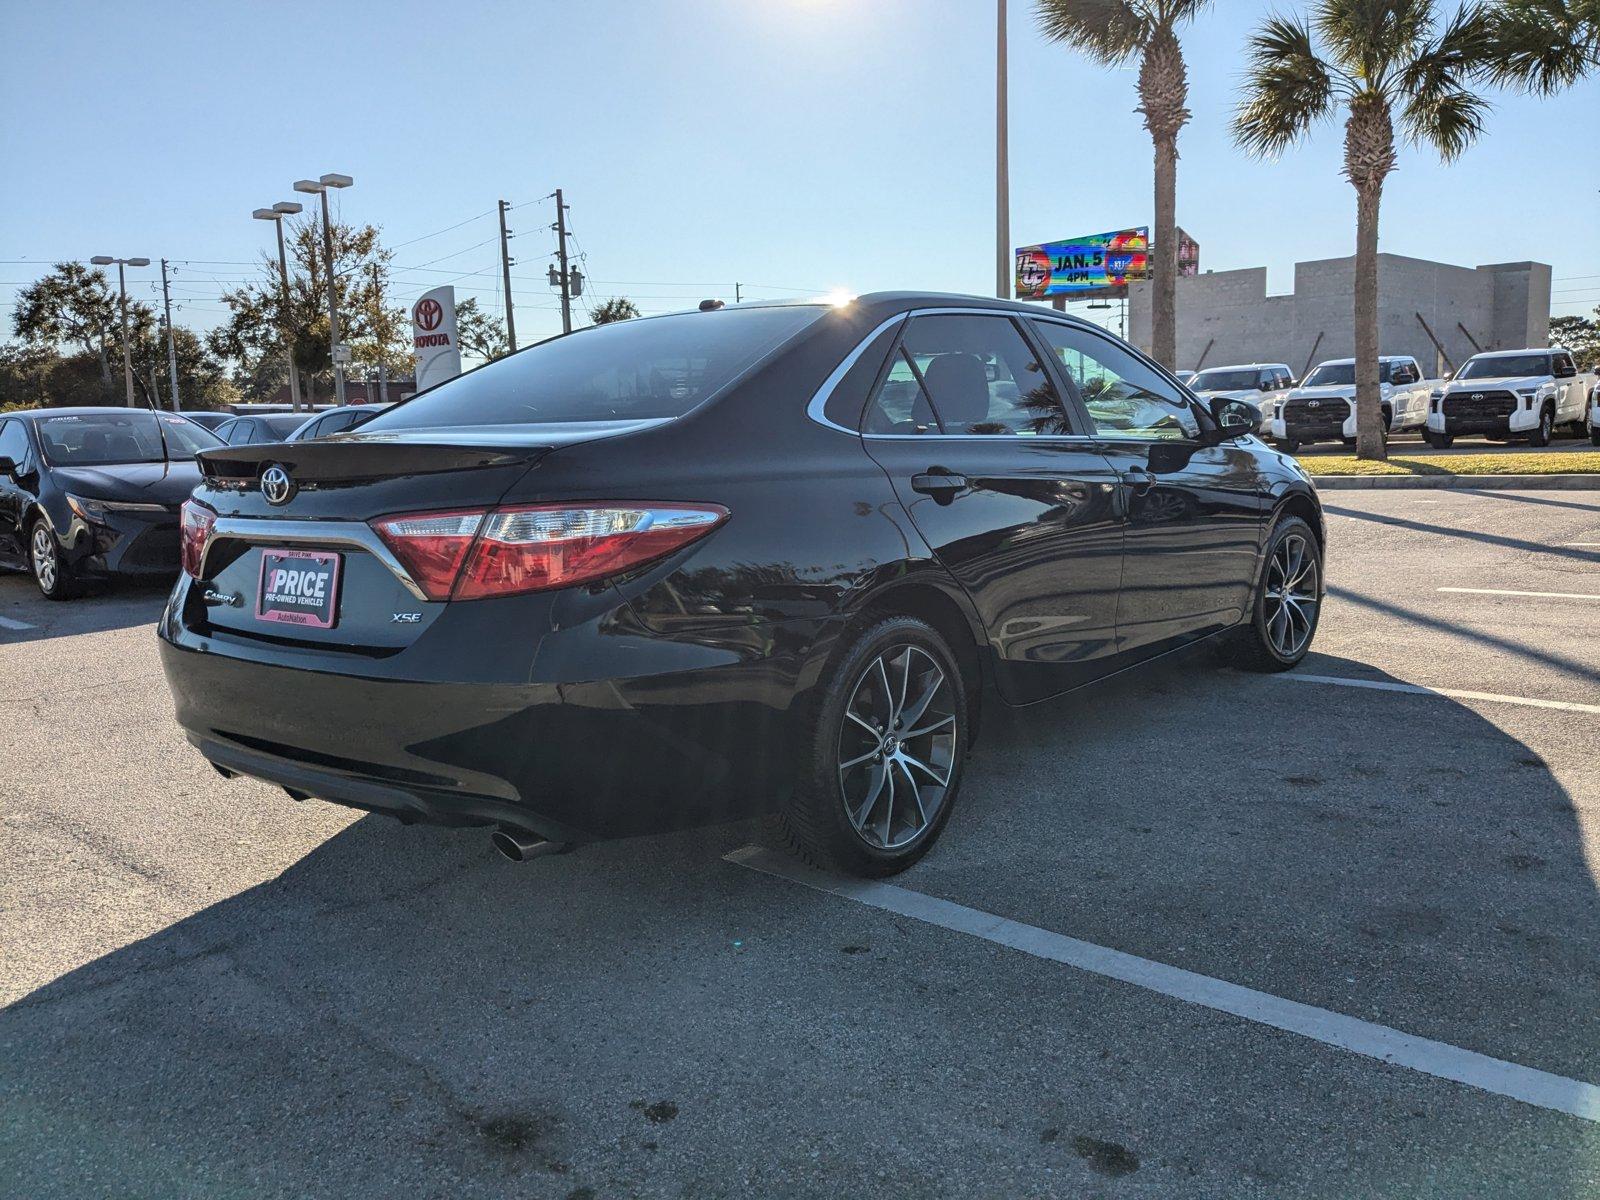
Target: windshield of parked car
<point>628,370</point>
<point>1221,380</point>
<point>101,439</point>
<point>1344,374</point>
<point>1506,366</point>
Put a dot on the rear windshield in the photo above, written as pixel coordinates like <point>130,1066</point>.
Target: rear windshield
<point>1506,366</point>
<point>625,371</point>
<point>99,439</point>
<point>1226,381</point>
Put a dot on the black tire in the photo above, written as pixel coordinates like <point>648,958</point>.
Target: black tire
<point>1257,644</point>
<point>49,569</point>
<point>1349,443</point>
<point>1288,445</point>
<point>1594,435</point>
<point>1439,441</point>
<point>841,764</point>
<point>1541,435</point>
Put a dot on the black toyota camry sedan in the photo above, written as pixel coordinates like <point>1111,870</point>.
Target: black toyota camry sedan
<point>87,493</point>
<point>685,568</point>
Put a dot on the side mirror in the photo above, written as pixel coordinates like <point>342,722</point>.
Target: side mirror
<point>1562,371</point>
<point>8,466</point>
<point>1235,418</point>
<point>1265,385</point>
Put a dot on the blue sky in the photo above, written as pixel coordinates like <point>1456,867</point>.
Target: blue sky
<point>792,145</point>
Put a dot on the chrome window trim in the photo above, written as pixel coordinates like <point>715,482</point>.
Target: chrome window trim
<point>351,534</point>
<point>820,398</point>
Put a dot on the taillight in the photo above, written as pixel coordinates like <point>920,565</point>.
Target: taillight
<point>197,521</point>
<point>539,547</point>
<point>431,546</point>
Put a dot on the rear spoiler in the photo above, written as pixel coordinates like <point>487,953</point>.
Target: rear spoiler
<point>339,461</point>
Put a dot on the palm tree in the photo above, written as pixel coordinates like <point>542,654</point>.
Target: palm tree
<point>1543,45</point>
<point>1111,32</point>
<point>1374,60</point>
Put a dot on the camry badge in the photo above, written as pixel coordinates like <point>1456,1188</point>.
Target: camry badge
<point>276,486</point>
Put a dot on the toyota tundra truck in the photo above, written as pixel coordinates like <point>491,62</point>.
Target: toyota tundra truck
<point>1509,394</point>
<point>1323,407</point>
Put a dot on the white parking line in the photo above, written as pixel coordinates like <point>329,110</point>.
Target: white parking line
<point>1581,543</point>
<point>1439,1059</point>
<point>1454,693</point>
<point>9,623</point>
<point>1504,592</point>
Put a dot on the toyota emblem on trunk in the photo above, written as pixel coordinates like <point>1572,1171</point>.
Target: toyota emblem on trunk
<point>276,486</point>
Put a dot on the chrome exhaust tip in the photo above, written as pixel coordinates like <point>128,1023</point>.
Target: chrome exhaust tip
<point>520,847</point>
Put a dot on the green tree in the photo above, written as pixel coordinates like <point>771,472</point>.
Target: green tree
<point>1581,335</point>
<point>75,306</point>
<point>369,322</point>
<point>1542,45</point>
<point>618,308</point>
<point>1111,32</point>
<point>1372,60</point>
<point>481,334</point>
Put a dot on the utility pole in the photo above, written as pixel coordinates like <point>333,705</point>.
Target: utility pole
<point>505,268</point>
<point>737,297</point>
<point>1002,169</point>
<point>377,336</point>
<point>172,350</point>
<point>561,254</point>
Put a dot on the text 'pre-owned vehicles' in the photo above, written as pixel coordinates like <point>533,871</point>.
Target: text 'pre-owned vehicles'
<point>684,568</point>
<point>87,493</point>
<point>1323,407</point>
<point>1260,383</point>
<point>1512,394</point>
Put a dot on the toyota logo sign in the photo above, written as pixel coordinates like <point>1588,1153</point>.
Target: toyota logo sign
<point>276,486</point>
<point>428,314</point>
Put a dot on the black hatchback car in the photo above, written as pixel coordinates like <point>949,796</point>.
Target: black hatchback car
<point>88,493</point>
<point>685,568</point>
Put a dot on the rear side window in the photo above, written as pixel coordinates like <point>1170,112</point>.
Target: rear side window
<point>630,370</point>
<point>845,402</point>
<point>967,374</point>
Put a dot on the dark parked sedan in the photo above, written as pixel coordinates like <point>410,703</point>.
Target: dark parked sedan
<point>335,420</point>
<point>258,429</point>
<point>87,493</point>
<point>685,568</point>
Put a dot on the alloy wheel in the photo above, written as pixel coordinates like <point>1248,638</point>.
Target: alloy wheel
<point>46,568</point>
<point>1292,595</point>
<point>897,747</point>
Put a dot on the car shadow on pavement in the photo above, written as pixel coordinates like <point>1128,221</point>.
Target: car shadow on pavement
<point>402,1013</point>
<point>1577,554</point>
<point>115,605</point>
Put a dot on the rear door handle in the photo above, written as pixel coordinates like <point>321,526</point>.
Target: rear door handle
<point>1140,480</point>
<point>938,483</point>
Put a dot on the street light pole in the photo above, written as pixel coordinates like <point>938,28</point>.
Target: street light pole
<point>1002,175</point>
<point>276,214</point>
<point>102,260</point>
<point>320,187</point>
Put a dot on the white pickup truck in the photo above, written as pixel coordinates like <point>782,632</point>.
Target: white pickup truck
<point>1323,407</point>
<point>1509,394</point>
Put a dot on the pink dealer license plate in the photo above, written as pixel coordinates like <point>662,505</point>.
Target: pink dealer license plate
<point>299,587</point>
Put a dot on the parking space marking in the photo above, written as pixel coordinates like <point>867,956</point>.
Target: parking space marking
<point>1439,1059</point>
<point>10,623</point>
<point>1504,592</point>
<point>1582,543</point>
<point>1417,689</point>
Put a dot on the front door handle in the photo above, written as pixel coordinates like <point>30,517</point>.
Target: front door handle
<point>937,483</point>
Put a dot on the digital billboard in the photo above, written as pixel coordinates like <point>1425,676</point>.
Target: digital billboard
<point>1083,266</point>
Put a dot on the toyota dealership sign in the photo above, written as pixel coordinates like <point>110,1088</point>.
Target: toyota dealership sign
<point>433,334</point>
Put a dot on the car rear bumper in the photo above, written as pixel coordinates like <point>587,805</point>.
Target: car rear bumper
<point>696,732</point>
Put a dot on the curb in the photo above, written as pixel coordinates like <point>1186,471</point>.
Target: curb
<point>1499,483</point>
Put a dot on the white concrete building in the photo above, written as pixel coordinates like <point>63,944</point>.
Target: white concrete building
<point>1438,313</point>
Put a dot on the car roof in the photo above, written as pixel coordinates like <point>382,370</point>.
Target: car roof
<point>1350,362</point>
<point>102,410</point>
<point>1255,366</point>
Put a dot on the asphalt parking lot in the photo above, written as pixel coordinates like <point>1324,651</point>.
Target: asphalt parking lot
<point>213,991</point>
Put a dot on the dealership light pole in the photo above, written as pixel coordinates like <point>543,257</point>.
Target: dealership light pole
<point>101,260</point>
<point>1002,166</point>
<point>276,214</point>
<point>320,187</point>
